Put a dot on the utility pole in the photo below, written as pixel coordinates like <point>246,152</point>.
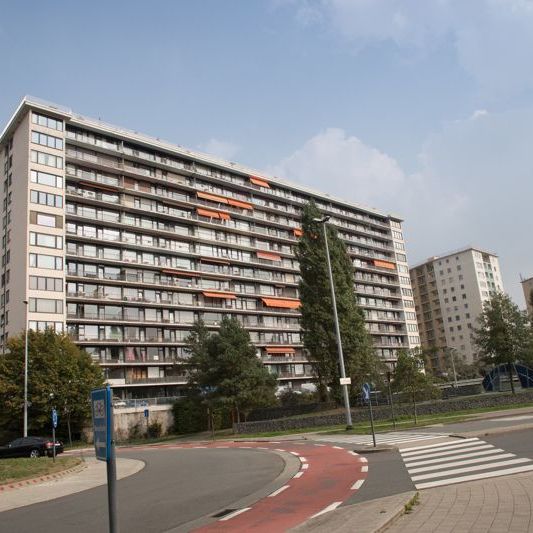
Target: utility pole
<point>26,369</point>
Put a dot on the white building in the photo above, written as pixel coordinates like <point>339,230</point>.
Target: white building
<point>449,292</point>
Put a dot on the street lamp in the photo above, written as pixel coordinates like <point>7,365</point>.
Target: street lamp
<point>451,351</point>
<point>26,369</point>
<point>344,386</point>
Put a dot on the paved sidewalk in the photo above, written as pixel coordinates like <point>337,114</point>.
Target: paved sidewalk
<point>92,476</point>
<point>498,505</point>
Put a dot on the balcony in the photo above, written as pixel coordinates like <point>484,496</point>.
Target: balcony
<point>179,380</point>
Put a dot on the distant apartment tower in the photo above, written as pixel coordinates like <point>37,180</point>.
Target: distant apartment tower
<point>123,241</point>
<point>527,287</point>
<point>449,292</point>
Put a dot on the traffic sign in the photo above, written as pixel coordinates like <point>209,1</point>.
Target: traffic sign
<point>102,418</point>
<point>366,391</point>
<point>54,418</point>
<point>146,413</point>
<point>345,381</point>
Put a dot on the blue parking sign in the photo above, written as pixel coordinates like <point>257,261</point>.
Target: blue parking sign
<point>54,418</point>
<point>102,422</point>
<point>366,391</point>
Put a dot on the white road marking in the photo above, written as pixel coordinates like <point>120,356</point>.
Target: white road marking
<point>454,457</point>
<point>295,453</point>
<point>409,460</point>
<point>381,438</point>
<point>261,448</point>
<point>320,445</point>
<point>279,450</point>
<point>276,492</point>
<point>513,418</point>
<point>471,469</point>
<point>303,459</point>
<point>474,477</point>
<point>364,468</point>
<point>461,463</point>
<point>235,513</point>
<point>298,474</point>
<point>427,446</point>
<point>338,447</point>
<point>364,460</point>
<point>305,466</point>
<point>329,508</point>
<point>357,484</point>
<point>446,447</point>
<point>353,453</point>
<point>198,447</point>
<point>220,447</point>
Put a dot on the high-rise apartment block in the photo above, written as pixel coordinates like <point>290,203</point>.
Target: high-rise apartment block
<point>123,240</point>
<point>449,292</point>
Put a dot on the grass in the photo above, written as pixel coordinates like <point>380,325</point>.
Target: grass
<point>25,468</point>
<point>408,507</point>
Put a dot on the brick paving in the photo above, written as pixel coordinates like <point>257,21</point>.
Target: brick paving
<point>498,505</point>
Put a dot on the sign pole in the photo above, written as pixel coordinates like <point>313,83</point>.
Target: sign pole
<point>104,444</point>
<point>54,425</point>
<point>368,397</point>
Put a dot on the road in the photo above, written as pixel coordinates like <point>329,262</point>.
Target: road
<point>167,493</point>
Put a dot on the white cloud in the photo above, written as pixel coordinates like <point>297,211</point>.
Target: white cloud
<point>223,149</point>
<point>493,39</point>
<point>350,168</point>
<point>474,186</point>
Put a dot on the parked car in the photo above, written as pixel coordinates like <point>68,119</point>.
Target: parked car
<point>31,447</point>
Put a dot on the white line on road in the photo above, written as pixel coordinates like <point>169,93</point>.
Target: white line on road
<point>338,447</point>
<point>298,474</point>
<point>329,508</point>
<point>276,492</point>
<point>357,484</point>
<point>235,513</point>
<point>295,453</point>
<point>427,446</point>
<point>279,450</point>
<point>462,463</point>
<point>364,468</point>
<point>303,459</point>
<point>474,477</point>
<point>364,460</point>
<point>454,457</point>
<point>446,451</point>
<point>471,469</point>
<point>305,466</point>
<point>441,448</point>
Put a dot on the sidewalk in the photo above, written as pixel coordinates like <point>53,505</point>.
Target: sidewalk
<point>498,505</point>
<point>93,475</point>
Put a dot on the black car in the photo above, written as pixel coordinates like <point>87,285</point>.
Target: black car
<point>30,447</point>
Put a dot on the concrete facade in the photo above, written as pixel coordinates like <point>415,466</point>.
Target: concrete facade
<point>123,241</point>
<point>527,287</point>
<point>449,292</point>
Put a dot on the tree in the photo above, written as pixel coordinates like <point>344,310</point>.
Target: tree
<point>318,329</point>
<point>226,370</point>
<point>504,335</point>
<point>60,375</point>
<point>409,378</point>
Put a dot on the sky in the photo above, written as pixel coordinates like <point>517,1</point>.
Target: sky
<point>423,109</point>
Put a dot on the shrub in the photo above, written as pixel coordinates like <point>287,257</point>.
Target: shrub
<point>190,415</point>
<point>155,429</point>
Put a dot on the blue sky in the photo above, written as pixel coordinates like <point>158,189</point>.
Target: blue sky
<point>423,109</point>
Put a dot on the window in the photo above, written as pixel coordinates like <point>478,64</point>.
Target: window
<point>48,241</point>
<point>47,122</point>
<point>38,325</point>
<point>41,283</point>
<point>46,305</point>
<point>44,198</point>
<point>46,140</point>
<point>51,262</point>
<point>44,219</point>
<point>42,158</point>
<point>43,178</point>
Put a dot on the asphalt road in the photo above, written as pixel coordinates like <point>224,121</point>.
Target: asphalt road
<point>479,425</point>
<point>166,494</point>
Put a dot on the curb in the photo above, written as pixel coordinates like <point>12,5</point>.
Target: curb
<point>399,511</point>
<point>49,477</point>
<point>492,431</point>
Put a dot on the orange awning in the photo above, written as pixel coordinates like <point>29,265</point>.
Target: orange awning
<point>212,197</point>
<point>298,232</point>
<point>281,302</point>
<point>223,295</point>
<point>260,182</point>
<point>280,349</point>
<point>384,264</point>
<point>212,214</point>
<point>214,260</point>
<point>179,272</point>
<point>268,256</point>
<point>238,203</point>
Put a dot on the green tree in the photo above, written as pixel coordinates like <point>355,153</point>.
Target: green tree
<point>408,377</point>
<point>317,323</point>
<point>504,335</point>
<point>60,375</point>
<point>226,370</point>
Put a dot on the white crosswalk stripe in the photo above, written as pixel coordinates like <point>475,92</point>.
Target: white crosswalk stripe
<point>381,438</point>
<point>456,461</point>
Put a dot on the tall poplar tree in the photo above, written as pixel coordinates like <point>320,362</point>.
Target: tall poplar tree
<point>318,328</point>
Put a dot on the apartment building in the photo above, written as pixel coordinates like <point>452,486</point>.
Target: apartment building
<point>527,287</point>
<point>449,292</point>
<point>123,241</point>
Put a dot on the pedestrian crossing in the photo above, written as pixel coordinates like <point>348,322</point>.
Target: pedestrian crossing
<point>460,460</point>
<point>381,438</point>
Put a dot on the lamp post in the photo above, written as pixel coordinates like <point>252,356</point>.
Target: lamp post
<point>26,369</point>
<point>337,329</point>
<point>452,357</point>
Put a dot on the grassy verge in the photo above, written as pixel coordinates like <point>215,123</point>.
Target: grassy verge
<point>25,468</point>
